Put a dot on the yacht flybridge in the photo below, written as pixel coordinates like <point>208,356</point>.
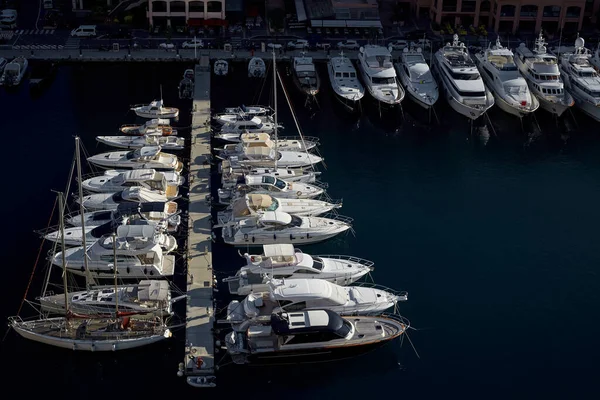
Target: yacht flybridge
<point>462,84</point>
<point>379,76</point>
<point>148,157</point>
<point>415,76</point>
<point>581,79</point>
<point>502,77</point>
<point>540,69</point>
<point>344,81</point>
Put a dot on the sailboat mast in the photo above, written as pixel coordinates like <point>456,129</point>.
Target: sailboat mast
<point>115,274</point>
<point>275,101</point>
<point>64,248</point>
<point>81,212</point>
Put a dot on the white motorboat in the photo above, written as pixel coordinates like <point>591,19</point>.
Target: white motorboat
<point>344,81</point>
<point>581,79</point>
<point>252,204</point>
<point>462,84</point>
<point>149,297</point>
<point>257,68</point>
<point>283,261</point>
<point>221,68</point>
<point>148,157</point>
<point>289,295</point>
<point>201,381</point>
<point>231,131</point>
<point>142,229</point>
<point>299,143</point>
<point>379,76</point>
<point>261,151</point>
<point>114,180</point>
<point>305,75</point>
<point>155,109</point>
<point>540,70</point>
<point>311,336</point>
<point>137,142</point>
<point>231,173</point>
<point>267,184</point>
<point>243,113</point>
<point>135,259</point>
<point>163,214</point>
<point>186,89</point>
<point>276,227</point>
<point>502,77</point>
<point>416,77</point>
<point>14,72</point>
<point>111,201</point>
<point>156,126</point>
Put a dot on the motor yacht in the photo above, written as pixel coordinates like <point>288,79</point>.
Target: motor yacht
<point>115,180</point>
<point>14,72</point>
<point>231,131</point>
<point>415,76</point>
<point>155,109</point>
<point>137,142</point>
<point>257,68</point>
<point>155,126</point>
<point>111,201</point>
<point>267,184</point>
<point>378,74</point>
<point>148,157</point>
<point>305,75</point>
<point>344,81</point>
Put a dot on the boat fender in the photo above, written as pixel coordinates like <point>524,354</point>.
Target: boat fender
<point>128,270</point>
<point>307,235</point>
<point>274,237</point>
<point>299,193</point>
<point>252,259</point>
<point>253,239</point>
<point>82,269</point>
<point>145,271</point>
<point>291,237</point>
<point>246,237</point>
<point>199,362</point>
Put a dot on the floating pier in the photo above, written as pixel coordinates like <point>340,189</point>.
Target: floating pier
<point>199,365</point>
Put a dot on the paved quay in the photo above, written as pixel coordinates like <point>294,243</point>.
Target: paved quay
<point>200,351</point>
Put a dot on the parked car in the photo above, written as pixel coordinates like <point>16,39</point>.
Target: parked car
<point>194,43</point>
<point>348,44</point>
<point>398,44</point>
<point>300,44</point>
<point>422,43</point>
<point>324,46</point>
<point>166,46</point>
<point>275,46</point>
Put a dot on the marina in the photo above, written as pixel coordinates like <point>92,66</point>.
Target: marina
<point>270,215</point>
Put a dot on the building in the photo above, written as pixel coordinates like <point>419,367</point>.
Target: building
<point>339,13</point>
<point>186,13</point>
<point>511,15</point>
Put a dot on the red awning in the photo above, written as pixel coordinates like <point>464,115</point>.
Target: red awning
<point>215,22</point>
<point>251,11</point>
<point>195,22</point>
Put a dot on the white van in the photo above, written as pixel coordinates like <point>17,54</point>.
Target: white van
<point>84,31</point>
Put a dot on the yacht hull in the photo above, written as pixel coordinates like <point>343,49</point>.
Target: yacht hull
<point>145,114</point>
<point>258,240</point>
<point>516,111</point>
<point>137,142</point>
<point>589,109</point>
<point>553,108</point>
<point>129,272</point>
<point>309,91</point>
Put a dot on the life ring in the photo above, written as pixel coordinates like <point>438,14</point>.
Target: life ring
<point>298,193</point>
<point>199,362</point>
<point>252,258</point>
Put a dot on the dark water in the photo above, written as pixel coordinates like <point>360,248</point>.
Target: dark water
<point>496,244</point>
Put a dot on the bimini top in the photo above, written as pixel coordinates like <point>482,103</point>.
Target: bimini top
<point>309,289</point>
<point>135,231</point>
<point>153,290</point>
<point>259,137</point>
<point>275,218</point>
<point>306,322</point>
<point>278,250</point>
<point>140,175</point>
<point>148,151</point>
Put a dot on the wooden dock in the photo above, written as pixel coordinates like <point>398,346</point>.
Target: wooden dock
<point>200,350</point>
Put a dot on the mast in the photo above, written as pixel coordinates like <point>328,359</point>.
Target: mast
<point>114,236</point>
<point>275,100</point>
<point>81,211</point>
<point>62,243</point>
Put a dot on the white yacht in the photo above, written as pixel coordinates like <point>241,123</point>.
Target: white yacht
<point>502,77</point>
<point>141,229</point>
<point>257,68</point>
<point>156,126</point>
<point>540,69</point>
<point>305,75</point>
<point>232,173</point>
<point>149,297</point>
<point>148,157</point>
<point>267,184</point>
<point>155,109</point>
<point>379,76</point>
<point>257,139</point>
<point>114,180</point>
<point>14,72</point>
<point>242,113</point>
<point>344,81</point>
<point>415,76</point>
<point>135,259</point>
<point>137,142</point>
<point>111,201</point>
<point>231,131</point>
<point>284,261</point>
<point>221,68</point>
<point>252,204</point>
<point>163,214</point>
<point>462,84</point>
<point>272,227</point>
<point>581,79</point>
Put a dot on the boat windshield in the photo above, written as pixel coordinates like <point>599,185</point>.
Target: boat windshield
<point>131,155</point>
<point>280,184</point>
<point>117,197</point>
<point>101,230</point>
<point>102,216</point>
<point>503,62</point>
<point>383,81</point>
<point>344,330</point>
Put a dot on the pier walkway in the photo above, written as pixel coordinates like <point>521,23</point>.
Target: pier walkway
<point>199,350</point>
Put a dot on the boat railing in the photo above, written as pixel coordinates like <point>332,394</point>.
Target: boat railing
<point>358,260</point>
<point>312,139</point>
<point>321,184</point>
<point>402,294</point>
<point>341,218</point>
<point>396,317</point>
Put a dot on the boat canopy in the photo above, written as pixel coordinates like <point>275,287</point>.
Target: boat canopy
<point>153,290</point>
<point>275,218</point>
<point>134,231</point>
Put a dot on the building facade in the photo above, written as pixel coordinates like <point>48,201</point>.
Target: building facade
<point>186,12</point>
<point>511,15</point>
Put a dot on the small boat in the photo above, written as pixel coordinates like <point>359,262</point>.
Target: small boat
<point>14,72</point>
<point>137,142</point>
<point>155,109</point>
<point>149,157</point>
<point>305,75</point>
<point>232,131</point>
<point>344,81</point>
<point>189,74</point>
<point>284,261</point>
<point>257,68</point>
<point>186,88</point>
<point>311,336</point>
<point>114,180</point>
<point>156,126</point>
<point>272,227</point>
<point>415,75</point>
<point>221,67</point>
<point>242,113</point>
<point>268,184</point>
<point>201,381</point>
<point>110,201</point>
<point>232,173</point>
<point>299,143</point>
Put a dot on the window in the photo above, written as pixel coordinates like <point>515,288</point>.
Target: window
<point>301,305</point>
<point>196,6</point>
<point>551,11</point>
<point>383,81</point>
<point>177,6</point>
<point>529,11</point>
<point>214,6</point>
<point>159,6</point>
<point>507,10</point>
<point>573,12</point>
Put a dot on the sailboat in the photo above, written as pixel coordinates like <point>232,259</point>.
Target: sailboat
<point>90,332</point>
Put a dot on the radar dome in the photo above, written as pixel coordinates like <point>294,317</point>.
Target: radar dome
<point>579,42</point>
